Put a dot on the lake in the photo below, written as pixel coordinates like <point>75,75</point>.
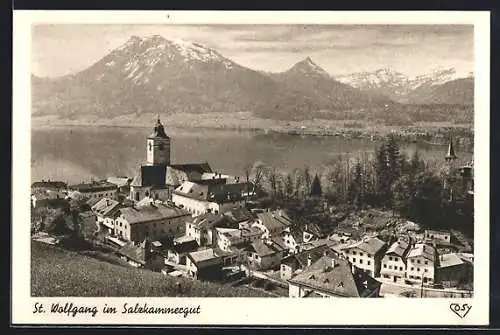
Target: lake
<point>76,154</point>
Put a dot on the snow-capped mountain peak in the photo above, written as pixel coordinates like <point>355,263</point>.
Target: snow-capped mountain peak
<point>139,57</point>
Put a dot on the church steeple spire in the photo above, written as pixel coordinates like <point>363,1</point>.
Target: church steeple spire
<point>159,131</point>
<point>450,155</point>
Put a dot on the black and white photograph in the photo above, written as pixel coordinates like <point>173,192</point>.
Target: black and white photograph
<point>252,158</point>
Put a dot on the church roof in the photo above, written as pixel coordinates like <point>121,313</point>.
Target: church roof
<point>219,193</point>
<point>159,131</point>
<point>178,173</point>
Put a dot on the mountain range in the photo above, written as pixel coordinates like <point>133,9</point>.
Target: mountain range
<point>153,74</point>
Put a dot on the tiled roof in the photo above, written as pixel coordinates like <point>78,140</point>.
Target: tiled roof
<point>204,257</point>
<point>119,181</point>
<point>219,193</point>
<point>105,206</point>
<point>423,250</point>
<point>93,186</point>
<point>262,249</point>
<point>273,220</point>
<point>240,214</point>
<point>370,245</point>
<point>49,184</point>
<point>133,252</point>
<point>301,258</point>
<point>448,260</point>
<point>179,173</point>
<point>135,215</point>
<point>321,276</point>
<point>398,248</point>
<point>210,220</point>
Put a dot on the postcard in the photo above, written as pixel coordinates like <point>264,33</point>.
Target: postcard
<point>237,168</point>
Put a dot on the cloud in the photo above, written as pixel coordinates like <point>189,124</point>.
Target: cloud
<point>62,49</point>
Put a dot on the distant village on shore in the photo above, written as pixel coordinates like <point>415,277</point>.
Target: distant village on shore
<point>188,220</point>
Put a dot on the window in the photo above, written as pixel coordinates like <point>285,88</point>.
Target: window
<point>361,254</point>
<point>360,261</point>
<point>354,259</point>
<point>418,269</point>
<point>390,258</point>
<point>400,268</point>
<point>426,270</point>
<point>390,267</point>
<point>385,266</point>
<point>418,261</point>
<point>412,268</point>
<point>369,262</point>
<point>426,262</point>
<point>354,252</point>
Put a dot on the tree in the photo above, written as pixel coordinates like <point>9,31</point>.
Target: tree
<point>316,187</point>
<point>288,186</point>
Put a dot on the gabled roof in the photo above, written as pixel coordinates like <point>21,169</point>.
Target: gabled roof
<point>398,248</point>
<point>135,215</point>
<point>133,252</point>
<point>321,276</point>
<point>218,193</point>
<point>240,214</point>
<point>262,249</point>
<point>273,220</point>
<point>422,250</point>
<point>105,206</point>
<point>448,260</point>
<point>179,173</point>
<point>205,257</point>
<point>370,245</point>
<point>119,181</point>
<point>301,258</point>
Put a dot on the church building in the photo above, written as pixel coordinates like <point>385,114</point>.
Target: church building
<point>157,177</point>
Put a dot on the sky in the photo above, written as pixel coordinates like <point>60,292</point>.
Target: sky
<point>340,49</point>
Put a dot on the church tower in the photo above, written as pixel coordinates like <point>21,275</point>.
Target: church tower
<point>158,146</point>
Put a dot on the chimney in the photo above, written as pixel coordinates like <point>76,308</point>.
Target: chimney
<point>107,202</point>
<point>309,260</point>
<point>333,263</point>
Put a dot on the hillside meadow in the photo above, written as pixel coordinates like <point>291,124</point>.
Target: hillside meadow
<point>57,272</point>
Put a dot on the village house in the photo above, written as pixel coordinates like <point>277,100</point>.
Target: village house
<point>292,264</point>
<point>394,262</point>
<point>292,239</point>
<point>122,183</point>
<point>204,265</point>
<point>152,221</point>
<point>271,223</point>
<point>106,211</point>
<point>441,235</point>
<point>454,270</point>
<point>264,255</point>
<point>421,263</point>
<point>366,254</point>
<point>332,277</point>
<point>230,237</point>
<point>181,247</point>
<point>202,227</point>
<point>208,197</point>
<point>49,185</point>
<point>96,190</point>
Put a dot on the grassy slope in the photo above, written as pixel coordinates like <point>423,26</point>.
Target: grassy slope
<point>58,272</point>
